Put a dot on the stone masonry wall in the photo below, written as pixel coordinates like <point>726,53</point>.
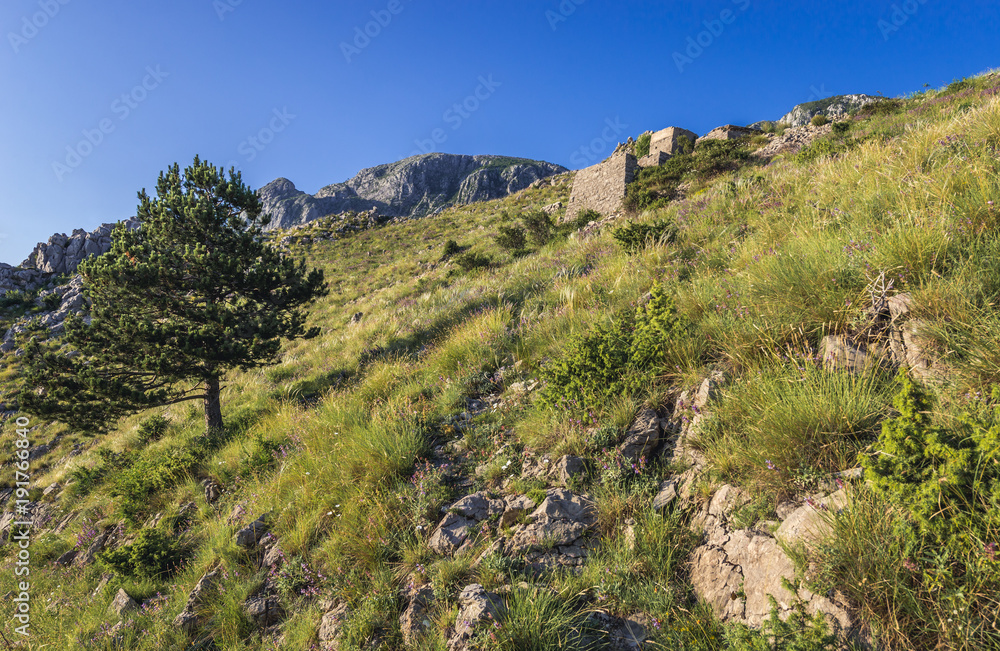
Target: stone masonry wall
<point>601,187</point>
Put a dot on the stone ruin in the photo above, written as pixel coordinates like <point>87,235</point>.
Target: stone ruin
<point>601,187</point>
<point>728,132</point>
<point>666,143</point>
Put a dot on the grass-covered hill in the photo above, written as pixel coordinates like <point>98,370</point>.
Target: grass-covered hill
<point>463,353</point>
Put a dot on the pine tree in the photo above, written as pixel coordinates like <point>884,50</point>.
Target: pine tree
<point>193,292</point>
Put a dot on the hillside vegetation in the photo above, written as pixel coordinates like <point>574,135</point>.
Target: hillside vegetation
<point>450,364</point>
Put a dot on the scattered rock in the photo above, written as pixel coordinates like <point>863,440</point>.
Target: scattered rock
<point>122,603</point>
<point>643,437</point>
<point>212,491</point>
<point>413,622</point>
<point>559,531</point>
<point>475,604</point>
<point>67,559</point>
<point>329,627</point>
<point>666,496</point>
<point>453,533</point>
<point>264,610</point>
<point>250,535</point>
<point>187,620</point>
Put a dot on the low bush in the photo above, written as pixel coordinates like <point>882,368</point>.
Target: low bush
<point>634,237</point>
<point>511,238</point>
<point>617,359</point>
<point>472,260</point>
<point>642,145</point>
<point>947,479</point>
<point>819,120</point>
<point>153,554</point>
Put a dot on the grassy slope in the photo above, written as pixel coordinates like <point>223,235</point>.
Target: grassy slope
<point>766,261</point>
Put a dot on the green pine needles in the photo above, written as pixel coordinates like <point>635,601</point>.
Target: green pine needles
<point>193,292</point>
<point>948,479</point>
<point>615,359</point>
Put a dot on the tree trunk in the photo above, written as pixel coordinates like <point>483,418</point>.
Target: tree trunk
<point>213,407</point>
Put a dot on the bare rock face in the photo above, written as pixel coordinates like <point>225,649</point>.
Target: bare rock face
<point>735,571</point>
<point>413,622</point>
<point>413,187</point>
<point>558,472</point>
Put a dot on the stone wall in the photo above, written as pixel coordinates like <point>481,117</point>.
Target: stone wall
<point>728,132</point>
<point>601,187</point>
<point>669,140</point>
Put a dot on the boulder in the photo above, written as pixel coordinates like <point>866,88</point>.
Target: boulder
<point>187,620</point>
<point>453,532</point>
<point>250,535</point>
<point>642,438</point>
<point>122,603</point>
<point>475,604</point>
<point>414,621</point>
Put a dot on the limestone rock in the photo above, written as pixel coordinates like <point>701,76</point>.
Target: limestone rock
<point>453,532</point>
<point>122,603</point>
<point>839,353</point>
<point>251,534</point>
<point>413,622</point>
<point>559,531</point>
<point>187,620</point>
<point>810,521</point>
<point>728,132</point>
<point>475,604</point>
<point>212,491</point>
<point>834,108</point>
<point>264,610</point>
<point>643,437</point>
<point>329,627</point>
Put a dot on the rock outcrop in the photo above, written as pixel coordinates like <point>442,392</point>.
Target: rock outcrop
<point>413,187</point>
<point>834,108</point>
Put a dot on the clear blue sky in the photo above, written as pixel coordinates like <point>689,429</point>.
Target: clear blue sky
<point>98,97</point>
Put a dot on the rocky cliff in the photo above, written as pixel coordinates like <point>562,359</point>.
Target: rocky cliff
<point>834,108</point>
<point>412,187</point>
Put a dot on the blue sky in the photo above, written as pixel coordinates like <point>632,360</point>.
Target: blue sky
<point>98,97</point>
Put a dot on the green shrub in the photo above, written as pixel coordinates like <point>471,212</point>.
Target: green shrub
<point>259,457</point>
<point>841,128</point>
<point>451,248</point>
<point>472,260</point>
<point>152,554</point>
<point>947,479</point>
<point>147,476</point>
<point>635,236</point>
<point>819,120</point>
<point>615,359</point>
<point>511,238</point>
<point>584,217</point>
<point>153,429</point>
<point>539,226</point>
<point>594,367</point>
<point>798,632</point>
<point>642,145</point>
